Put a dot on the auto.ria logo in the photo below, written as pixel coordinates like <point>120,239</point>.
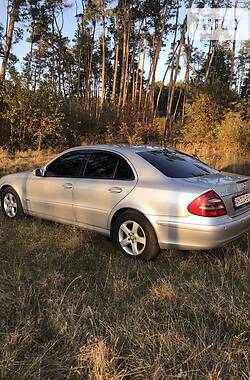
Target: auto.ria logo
<point>220,24</point>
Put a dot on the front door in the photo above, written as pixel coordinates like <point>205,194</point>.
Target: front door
<point>51,196</point>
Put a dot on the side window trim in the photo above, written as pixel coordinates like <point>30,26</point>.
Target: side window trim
<point>83,169</point>
<point>116,166</point>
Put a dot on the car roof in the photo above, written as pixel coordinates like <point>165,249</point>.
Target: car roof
<point>119,148</point>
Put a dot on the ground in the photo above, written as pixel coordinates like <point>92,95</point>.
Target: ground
<point>73,308</point>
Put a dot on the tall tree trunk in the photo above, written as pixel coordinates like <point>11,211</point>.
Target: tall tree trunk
<point>211,53</point>
<point>147,87</point>
<point>79,58</point>
<point>172,82</point>
<point>135,84</point>
<point>233,49</point>
<point>127,73</point>
<point>152,86</point>
<point>103,53</point>
<point>116,60</point>
<point>123,63</point>
<point>141,75</point>
<point>163,80</point>
<point>9,35</point>
<point>90,69</point>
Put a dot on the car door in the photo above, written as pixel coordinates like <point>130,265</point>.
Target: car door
<point>50,196</point>
<point>107,179</point>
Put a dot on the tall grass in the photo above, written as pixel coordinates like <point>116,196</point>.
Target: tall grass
<point>73,308</point>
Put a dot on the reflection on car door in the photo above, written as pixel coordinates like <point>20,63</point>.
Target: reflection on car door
<point>107,179</point>
<point>51,196</point>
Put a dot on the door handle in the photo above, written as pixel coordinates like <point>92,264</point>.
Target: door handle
<point>115,190</point>
<point>67,185</point>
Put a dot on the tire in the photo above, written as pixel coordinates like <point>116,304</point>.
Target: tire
<point>134,236</point>
<point>11,205</point>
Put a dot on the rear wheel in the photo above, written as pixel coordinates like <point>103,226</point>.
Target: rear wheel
<point>11,204</point>
<point>134,236</point>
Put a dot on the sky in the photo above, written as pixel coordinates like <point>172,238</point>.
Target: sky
<point>23,47</point>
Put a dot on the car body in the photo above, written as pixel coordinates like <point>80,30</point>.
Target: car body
<point>163,197</point>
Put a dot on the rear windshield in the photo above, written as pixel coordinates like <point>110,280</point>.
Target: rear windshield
<point>175,164</point>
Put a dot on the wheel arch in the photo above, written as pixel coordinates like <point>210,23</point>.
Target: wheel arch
<point>125,209</point>
<point>3,188</point>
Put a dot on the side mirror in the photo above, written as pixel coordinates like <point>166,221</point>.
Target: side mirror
<point>38,172</point>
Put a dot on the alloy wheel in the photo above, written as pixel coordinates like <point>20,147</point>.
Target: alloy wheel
<point>132,237</point>
<point>10,205</point>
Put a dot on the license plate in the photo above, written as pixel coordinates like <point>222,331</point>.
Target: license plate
<point>241,200</point>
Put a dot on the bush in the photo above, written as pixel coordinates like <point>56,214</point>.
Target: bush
<point>234,134</point>
<point>202,118</point>
<point>30,119</point>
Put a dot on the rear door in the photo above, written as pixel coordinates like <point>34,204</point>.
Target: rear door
<point>107,179</point>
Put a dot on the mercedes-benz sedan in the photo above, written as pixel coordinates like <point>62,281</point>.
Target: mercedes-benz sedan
<point>145,198</point>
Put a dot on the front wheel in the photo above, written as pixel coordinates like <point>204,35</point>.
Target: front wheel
<point>11,204</point>
<point>134,236</point>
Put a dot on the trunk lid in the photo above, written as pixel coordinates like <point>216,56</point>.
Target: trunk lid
<point>226,185</point>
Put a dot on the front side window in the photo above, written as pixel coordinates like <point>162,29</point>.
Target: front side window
<point>69,166</point>
<point>175,164</point>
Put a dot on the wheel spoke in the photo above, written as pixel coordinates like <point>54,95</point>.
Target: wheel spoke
<point>134,248</point>
<point>125,242</point>
<point>141,240</point>
<point>125,229</point>
<point>135,228</point>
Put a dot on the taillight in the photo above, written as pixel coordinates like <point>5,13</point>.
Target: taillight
<point>208,204</point>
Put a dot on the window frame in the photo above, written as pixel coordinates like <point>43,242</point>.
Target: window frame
<point>88,153</point>
<point>71,153</point>
<point>118,157</point>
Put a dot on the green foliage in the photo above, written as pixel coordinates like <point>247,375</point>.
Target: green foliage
<point>79,124</point>
<point>30,119</point>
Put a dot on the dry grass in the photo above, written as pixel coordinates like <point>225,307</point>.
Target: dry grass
<point>11,163</point>
<point>73,308</point>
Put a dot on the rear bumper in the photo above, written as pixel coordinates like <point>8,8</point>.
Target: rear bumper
<point>186,236</point>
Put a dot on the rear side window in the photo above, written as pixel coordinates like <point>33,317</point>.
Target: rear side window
<point>101,165</point>
<point>124,171</point>
<point>69,166</point>
<point>175,164</point>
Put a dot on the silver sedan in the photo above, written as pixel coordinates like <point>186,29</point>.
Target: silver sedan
<point>145,198</point>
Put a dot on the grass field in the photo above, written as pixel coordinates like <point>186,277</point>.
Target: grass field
<point>73,308</point>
